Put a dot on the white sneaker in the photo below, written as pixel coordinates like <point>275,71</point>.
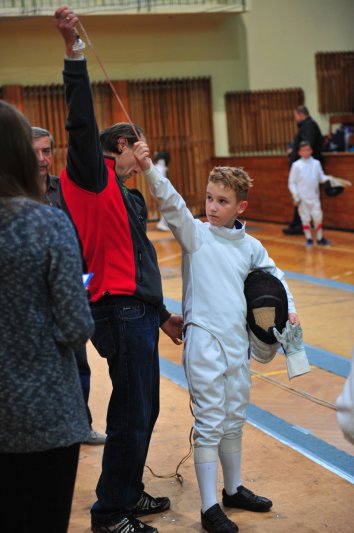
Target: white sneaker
<point>162,225</point>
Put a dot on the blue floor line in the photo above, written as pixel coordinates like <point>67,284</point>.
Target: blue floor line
<point>296,438</point>
<point>331,284</point>
<point>336,364</point>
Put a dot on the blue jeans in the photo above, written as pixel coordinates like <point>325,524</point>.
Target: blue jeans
<point>127,333</point>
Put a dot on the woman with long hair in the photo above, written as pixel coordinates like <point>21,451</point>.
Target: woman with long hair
<point>44,316</point>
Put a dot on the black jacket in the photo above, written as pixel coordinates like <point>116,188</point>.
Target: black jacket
<point>308,131</point>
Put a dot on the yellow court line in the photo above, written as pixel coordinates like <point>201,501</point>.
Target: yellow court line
<point>274,372</point>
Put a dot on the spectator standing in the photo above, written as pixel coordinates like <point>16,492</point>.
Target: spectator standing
<point>161,161</point>
<point>42,142</point>
<point>44,316</point>
<point>125,292</point>
<point>308,130</point>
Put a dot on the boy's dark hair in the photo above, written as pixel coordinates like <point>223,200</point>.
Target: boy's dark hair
<point>109,137</point>
<point>162,155</point>
<point>18,162</point>
<point>232,178</point>
<point>305,143</point>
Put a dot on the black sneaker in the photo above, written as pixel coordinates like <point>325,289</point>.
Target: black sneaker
<point>126,525</point>
<point>323,242</point>
<point>246,499</point>
<point>216,521</point>
<point>149,505</point>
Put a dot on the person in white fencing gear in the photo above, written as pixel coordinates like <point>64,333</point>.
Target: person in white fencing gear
<point>305,176</point>
<point>267,319</point>
<point>217,257</point>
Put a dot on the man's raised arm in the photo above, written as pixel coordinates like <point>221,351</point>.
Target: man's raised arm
<point>85,163</point>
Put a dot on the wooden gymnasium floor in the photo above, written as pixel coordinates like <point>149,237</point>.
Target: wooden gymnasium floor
<point>293,450</point>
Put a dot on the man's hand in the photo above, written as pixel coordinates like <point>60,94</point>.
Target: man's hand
<point>142,154</point>
<point>65,21</point>
<point>173,327</point>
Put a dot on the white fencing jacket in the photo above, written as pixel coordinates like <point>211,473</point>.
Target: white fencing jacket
<point>215,264</point>
<point>304,179</point>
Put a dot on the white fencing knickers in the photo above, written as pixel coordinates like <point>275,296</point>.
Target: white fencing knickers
<point>310,211</point>
<point>219,384</point>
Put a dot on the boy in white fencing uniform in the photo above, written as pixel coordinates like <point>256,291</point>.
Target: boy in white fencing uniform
<point>217,257</point>
<point>305,176</point>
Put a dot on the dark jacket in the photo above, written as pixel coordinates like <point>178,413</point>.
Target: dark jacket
<point>52,196</point>
<point>308,131</point>
<point>109,218</point>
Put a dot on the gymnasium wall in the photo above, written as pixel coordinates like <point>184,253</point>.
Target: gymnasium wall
<point>271,46</point>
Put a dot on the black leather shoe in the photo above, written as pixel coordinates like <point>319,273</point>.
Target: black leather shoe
<point>215,520</point>
<point>293,230</point>
<point>246,499</point>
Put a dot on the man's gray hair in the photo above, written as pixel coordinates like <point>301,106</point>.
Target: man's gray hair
<point>37,133</point>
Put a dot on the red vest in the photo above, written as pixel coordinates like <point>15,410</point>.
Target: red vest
<point>102,225</point>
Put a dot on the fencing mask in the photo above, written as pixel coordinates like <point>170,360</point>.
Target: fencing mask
<point>267,307</point>
<point>334,186</point>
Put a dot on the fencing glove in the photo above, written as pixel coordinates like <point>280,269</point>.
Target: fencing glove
<point>292,342</point>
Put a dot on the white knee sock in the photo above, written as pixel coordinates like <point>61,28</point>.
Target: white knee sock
<point>231,467</point>
<point>230,449</point>
<point>207,474</point>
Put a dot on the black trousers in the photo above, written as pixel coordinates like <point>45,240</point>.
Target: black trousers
<point>36,490</point>
<point>296,221</point>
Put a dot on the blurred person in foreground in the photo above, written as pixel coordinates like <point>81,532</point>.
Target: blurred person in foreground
<point>44,316</point>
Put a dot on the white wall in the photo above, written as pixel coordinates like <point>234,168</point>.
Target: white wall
<point>282,48</point>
